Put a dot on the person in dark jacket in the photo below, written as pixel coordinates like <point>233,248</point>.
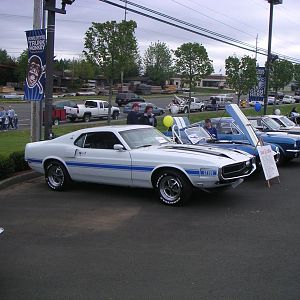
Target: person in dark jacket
<point>133,116</point>
<point>209,128</point>
<point>148,118</point>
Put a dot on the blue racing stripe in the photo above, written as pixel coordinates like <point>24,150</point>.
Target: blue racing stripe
<point>33,160</point>
<point>193,172</point>
<point>108,166</point>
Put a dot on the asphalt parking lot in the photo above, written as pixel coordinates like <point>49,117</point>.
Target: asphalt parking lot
<point>101,242</point>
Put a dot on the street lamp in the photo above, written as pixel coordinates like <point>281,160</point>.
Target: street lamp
<point>50,6</point>
<point>269,59</point>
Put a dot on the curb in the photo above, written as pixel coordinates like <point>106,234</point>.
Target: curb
<point>18,178</point>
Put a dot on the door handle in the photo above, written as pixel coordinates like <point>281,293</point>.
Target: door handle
<point>81,152</point>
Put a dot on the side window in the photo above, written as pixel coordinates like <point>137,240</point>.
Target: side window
<point>80,141</point>
<point>90,104</point>
<point>106,105</point>
<point>100,105</point>
<point>101,140</point>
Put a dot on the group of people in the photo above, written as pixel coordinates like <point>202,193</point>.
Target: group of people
<point>8,118</point>
<point>146,118</point>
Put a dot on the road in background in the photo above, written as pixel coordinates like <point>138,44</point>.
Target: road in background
<point>23,108</point>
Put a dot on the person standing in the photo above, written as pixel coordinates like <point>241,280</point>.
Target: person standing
<point>133,116</point>
<point>148,118</point>
<point>2,117</point>
<point>11,116</point>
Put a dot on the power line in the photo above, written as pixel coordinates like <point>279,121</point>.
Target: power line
<point>208,33</point>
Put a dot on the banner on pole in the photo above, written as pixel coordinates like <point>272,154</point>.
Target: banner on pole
<point>35,77</point>
<point>257,92</point>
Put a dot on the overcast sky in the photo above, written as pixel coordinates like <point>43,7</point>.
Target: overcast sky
<point>240,19</point>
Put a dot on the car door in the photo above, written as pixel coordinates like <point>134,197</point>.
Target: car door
<point>105,108</point>
<point>96,160</point>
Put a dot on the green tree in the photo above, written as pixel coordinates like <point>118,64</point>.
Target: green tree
<point>193,63</point>
<point>281,73</point>
<point>297,74</point>
<point>112,47</point>
<point>7,73</point>
<point>84,69</point>
<point>158,62</point>
<point>22,64</point>
<point>241,74</point>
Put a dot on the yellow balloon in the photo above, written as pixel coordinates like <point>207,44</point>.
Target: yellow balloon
<point>168,121</point>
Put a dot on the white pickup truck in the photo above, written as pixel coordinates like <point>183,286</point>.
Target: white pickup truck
<point>91,109</point>
<point>183,104</point>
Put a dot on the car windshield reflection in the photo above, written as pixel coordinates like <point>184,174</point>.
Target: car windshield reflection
<point>143,137</point>
<point>287,122</point>
<point>273,125</point>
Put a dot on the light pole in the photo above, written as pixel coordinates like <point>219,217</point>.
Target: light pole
<point>50,6</point>
<point>269,58</point>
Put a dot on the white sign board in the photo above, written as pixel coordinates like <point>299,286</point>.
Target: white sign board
<point>267,161</point>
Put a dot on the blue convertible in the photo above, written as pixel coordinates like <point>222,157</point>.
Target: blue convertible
<point>190,134</point>
<point>288,144</point>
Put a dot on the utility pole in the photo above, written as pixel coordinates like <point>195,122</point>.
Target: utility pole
<point>125,12</point>
<point>50,6</point>
<point>269,58</point>
<point>35,120</point>
<point>256,42</point>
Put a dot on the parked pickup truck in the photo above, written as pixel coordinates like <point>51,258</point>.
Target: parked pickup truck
<point>91,109</point>
<point>183,104</point>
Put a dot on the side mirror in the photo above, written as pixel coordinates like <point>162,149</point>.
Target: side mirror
<point>119,147</point>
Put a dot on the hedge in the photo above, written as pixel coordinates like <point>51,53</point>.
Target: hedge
<point>13,163</point>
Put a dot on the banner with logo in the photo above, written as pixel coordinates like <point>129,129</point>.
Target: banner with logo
<point>257,92</point>
<point>35,77</point>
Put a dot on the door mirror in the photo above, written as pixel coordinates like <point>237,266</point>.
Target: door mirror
<point>119,147</point>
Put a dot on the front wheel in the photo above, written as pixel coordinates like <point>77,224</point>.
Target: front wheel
<point>56,176</point>
<point>185,111</point>
<point>173,188</point>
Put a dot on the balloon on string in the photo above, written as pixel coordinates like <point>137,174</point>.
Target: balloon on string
<point>168,121</point>
<point>277,112</point>
<point>257,106</point>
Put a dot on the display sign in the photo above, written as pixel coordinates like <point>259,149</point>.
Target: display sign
<point>35,78</point>
<point>257,92</point>
<point>267,161</point>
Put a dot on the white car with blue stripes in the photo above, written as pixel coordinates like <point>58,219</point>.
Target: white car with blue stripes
<point>137,156</point>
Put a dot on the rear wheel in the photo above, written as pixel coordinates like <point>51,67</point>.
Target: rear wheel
<point>115,115</point>
<point>185,110</point>
<point>172,187</point>
<point>87,118</point>
<point>56,176</point>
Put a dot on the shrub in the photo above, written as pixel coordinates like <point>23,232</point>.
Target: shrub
<point>7,167</point>
<point>13,163</point>
<point>19,162</point>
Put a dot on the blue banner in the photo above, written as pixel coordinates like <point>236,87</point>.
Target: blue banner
<point>35,78</point>
<point>257,92</point>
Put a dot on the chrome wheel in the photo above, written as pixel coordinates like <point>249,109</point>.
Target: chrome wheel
<point>56,177</point>
<point>170,189</point>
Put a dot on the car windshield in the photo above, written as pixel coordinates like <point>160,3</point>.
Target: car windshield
<point>197,135</point>
<point>143,137</point>
<point>271,124</point>
<point>286,121</point>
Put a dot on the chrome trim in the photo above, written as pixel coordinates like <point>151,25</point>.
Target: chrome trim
<point>241,176</point>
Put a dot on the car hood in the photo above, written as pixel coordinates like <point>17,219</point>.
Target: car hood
<point>205,152</point>
<point>243,123</point>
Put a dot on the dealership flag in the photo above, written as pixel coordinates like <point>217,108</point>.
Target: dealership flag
<point>35,77</point>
